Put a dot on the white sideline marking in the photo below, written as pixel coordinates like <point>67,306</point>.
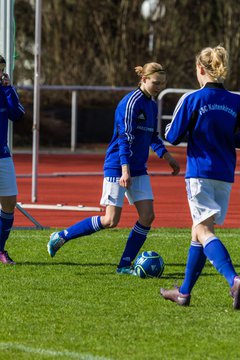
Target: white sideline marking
<point>46,352</point>
<point>60,207</point>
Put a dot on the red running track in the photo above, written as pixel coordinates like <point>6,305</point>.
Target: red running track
<point>171,208</point>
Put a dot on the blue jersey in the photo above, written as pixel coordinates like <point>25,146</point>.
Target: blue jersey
<point>10,108</point>
<point>135,130</point>
<point>209,116</point>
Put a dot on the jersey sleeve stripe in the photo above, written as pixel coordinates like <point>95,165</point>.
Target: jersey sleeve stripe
<point>177,108</point>
<point>129,113</point>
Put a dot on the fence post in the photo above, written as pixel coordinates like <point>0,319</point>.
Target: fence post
<point>74,121</point>
<point>160,104</point>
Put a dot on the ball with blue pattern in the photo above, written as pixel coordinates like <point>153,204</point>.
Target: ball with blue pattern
<point>149,264</point>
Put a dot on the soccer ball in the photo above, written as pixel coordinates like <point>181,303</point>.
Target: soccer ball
<point>149,264</point>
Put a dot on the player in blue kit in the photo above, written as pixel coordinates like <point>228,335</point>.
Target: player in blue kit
<point>10,108</point>
<point>210,117</point>
<point>125,170</point>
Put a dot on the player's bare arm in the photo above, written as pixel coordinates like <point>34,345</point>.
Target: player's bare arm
<point>125,180</point>
<point>172,163</point>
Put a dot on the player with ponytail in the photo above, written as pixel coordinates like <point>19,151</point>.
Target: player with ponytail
<point>210,117</point>
<point>125,170</point>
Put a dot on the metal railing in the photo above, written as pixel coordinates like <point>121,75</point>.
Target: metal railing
<point>162,94</point>
<point>74,89</point>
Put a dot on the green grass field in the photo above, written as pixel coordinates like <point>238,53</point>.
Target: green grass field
<point>74,306</point>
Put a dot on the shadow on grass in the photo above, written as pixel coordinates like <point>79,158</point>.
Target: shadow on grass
<point>166,275</point>
<point>32,263</point>
<point>178,275</point>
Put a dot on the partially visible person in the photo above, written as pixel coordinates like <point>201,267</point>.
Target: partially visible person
<point>210,116</point>
<point>125,169</point>
<point>10,108</point>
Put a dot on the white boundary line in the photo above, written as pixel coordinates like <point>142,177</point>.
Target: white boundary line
<point>76,174</point>
<point>48,352</point>
<point>60,207</point>
<point>69,174</point>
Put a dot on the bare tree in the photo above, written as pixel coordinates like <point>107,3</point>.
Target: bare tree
<point>101,41</point>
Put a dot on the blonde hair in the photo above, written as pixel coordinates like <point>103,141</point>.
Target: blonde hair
<point>215,61</point>
<point>149,69</point>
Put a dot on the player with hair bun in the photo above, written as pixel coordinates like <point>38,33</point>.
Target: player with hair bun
<point>210,116</point>
<point>125,170</point>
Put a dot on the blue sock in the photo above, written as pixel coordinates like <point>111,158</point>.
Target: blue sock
<point>220,258</point>
<point>82,228</point>
<point>6,222</point>
<point>195,263</point>
<point>134,243</point>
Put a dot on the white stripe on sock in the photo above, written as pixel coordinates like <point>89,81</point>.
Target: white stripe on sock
<point>196,243</point>
<point>139,230</point>
<point>211,238</point>
<point>95,223</point>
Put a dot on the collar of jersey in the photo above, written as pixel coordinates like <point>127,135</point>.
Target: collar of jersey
<point>147,97</point>
<point>214,85</point>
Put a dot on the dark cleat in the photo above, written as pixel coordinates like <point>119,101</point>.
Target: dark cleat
<point>5,258</point>
<point>235,293</point>
<point>175,296</point>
